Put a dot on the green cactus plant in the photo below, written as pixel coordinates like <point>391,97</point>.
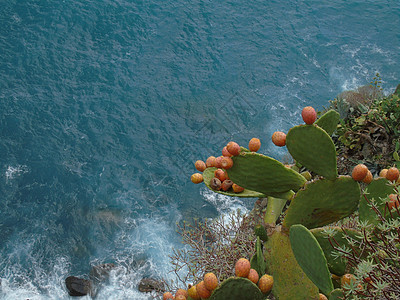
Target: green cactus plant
<point>258,261</point>
<point>336,294</point>
<point>290,282</point>
<point>275,207</point>
<point>322,202</point>
<point>264,174</point>
<point>260,232</point>
<point>329,121</point>
<point>312,147</point>
<point>208,174</point>
<point>237,288</point>
<point>313,204</point>
<point>310,257</point>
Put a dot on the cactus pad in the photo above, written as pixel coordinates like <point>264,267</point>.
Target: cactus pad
<point>336,294</point>
<point>322,202</point>
<point>337,266</point>
<point>312,147</point>
<point>290,282</point>
<point>274,209</point>
<point>377,189</point>
<point>208,174</point>
<point>260,232</point>
<point>258,261</point>
<point>263,174</point>
<point>237,288</point>
<point>310,257</point>
<point>329,121</point>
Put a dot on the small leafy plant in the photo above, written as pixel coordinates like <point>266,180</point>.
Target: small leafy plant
<point>369,131</point>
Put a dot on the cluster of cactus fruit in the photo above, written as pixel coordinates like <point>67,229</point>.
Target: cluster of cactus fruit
<point>294,250</point>
<point>215,168</point>
<point>246,284</point>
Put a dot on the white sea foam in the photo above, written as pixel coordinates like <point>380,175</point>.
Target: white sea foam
<point>13,172</point>
<point>145,250</point>
<point>15,284</point>
<point>224,204</point>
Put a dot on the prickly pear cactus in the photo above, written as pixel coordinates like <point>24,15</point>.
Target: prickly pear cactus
<point>237,288</point>
<point>260,232</point>
<point>329,121</point>
<point>208,174</point>
<point>264,174</point>
<point>322,202</point>
<point>312,147</point>
<point>336,294</point>
<point>310,257</point>
<point>290,282</point>
<point>274,209</point>
<point>258,261</point>
<point>311,204</point>
<point>377,190</point>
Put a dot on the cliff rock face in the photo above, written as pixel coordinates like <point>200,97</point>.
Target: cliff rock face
<point>397,91</point>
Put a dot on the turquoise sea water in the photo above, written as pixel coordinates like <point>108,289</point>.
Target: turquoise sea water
<point>105,105</point>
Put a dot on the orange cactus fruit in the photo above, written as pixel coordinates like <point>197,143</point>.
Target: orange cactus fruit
<point>253,276</point>
<point>392,174</point>
<point>346,279</point>
<point>225,152</point>
<point>180,292</point>
<point>192,293</point>
<point>393,201</point>
<point>202,291</point>
<point>167,295</point>
<point>254,145</point>
<point>237,188</point>
<point>279,138</point>
<point>359,172</point>
<point>368,179</point>
<point>233,148</point>
<point>226,163</point>
<point>383,173</point>
<point>322,297</point>
<point>196,178</point>
<point>200,165</point>
<point>226,185</point>
<point>220,174</point>
<point>180,297</point>
<point>210,281</point>
<point>265,283</point>
<point>242,267</point>
<point>218,162</point>
<point>215,184</point>
<point>210,162</point>
<point>309,115</point>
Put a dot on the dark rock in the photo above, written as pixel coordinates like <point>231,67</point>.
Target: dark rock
<point>78,286</point>
<point>147,285</point>
<point>101,273</point>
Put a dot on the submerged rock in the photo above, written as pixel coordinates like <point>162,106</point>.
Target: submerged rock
<point>147,285</point>
<point>77,286</point>
<point>99,275</point>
